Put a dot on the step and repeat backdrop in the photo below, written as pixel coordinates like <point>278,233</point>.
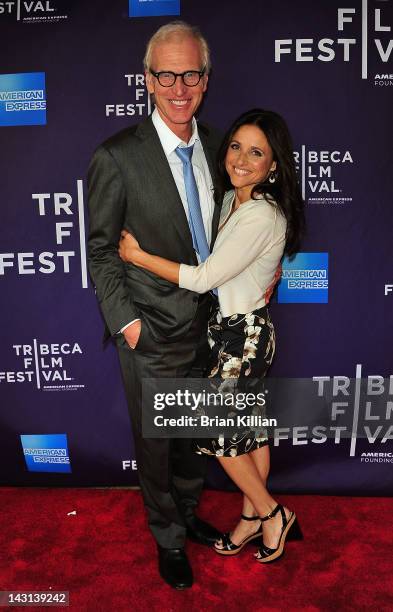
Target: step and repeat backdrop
<point>71,75</point>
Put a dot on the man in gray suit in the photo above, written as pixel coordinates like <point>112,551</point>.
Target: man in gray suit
<point>137,181</point>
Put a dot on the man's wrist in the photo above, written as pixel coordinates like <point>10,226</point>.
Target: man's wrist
<point>128,325</point>
<point>138,257</point>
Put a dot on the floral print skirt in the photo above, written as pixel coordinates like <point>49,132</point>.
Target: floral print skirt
<point>241,350</point>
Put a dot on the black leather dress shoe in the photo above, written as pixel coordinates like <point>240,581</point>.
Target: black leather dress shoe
<point>174,567</point>
<point>201,532</point>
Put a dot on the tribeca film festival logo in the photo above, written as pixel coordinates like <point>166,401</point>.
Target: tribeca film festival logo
<point>22,99</point>
<point>357,409</point>
<point>46,453</point>
<point>58,259</point>
<point>318,172</point>
<point>338,408</point>
<point>153,8</point>
<point>33,11</point>
<point>366,25</point>
<point>141,105</point>
<point>44,365</point>
<point>304,279</point>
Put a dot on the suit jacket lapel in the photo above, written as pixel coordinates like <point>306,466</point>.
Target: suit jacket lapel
<point>156,162</point>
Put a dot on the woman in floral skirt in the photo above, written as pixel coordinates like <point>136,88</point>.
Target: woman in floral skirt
<point>262,219</point>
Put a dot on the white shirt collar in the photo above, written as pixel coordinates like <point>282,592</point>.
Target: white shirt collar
<point>168,139</point>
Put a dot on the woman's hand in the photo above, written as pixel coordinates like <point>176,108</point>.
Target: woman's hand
<point>129,248</point>
<point>130,252</point>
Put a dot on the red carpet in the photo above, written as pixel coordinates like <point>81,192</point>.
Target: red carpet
<point>104,555</point>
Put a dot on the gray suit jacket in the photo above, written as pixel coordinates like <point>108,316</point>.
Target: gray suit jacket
<point>131,185</point>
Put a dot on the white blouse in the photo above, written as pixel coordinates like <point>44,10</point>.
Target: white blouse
<point>245,257</point>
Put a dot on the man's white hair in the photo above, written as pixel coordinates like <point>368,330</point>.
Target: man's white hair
<point>177,29</point>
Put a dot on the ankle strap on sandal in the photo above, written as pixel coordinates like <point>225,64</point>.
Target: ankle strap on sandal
<point>273,513</point>
<point>250,518</point>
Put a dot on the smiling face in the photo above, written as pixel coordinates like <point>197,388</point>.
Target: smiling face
<point>177,104</point>
<point>249,160</point>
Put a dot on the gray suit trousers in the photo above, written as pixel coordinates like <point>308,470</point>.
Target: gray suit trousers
<point>170,473</point>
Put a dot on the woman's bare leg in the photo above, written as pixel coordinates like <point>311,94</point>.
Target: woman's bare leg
<point>261,458</point>
<point>244,473</point>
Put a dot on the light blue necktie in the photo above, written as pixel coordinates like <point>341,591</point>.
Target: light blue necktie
<point>194,208</point>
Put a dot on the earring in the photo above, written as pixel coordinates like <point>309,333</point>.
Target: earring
<point>272,177</point>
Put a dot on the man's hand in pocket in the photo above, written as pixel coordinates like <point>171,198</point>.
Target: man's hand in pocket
<point>132,333</point>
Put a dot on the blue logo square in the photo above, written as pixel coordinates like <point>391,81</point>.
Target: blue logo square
<point>153,8</point>
<point>304,279</point>
<point>46,453</point>
<point>23,99</point>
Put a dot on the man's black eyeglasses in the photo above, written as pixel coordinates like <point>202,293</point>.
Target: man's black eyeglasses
<point>167,78</point>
